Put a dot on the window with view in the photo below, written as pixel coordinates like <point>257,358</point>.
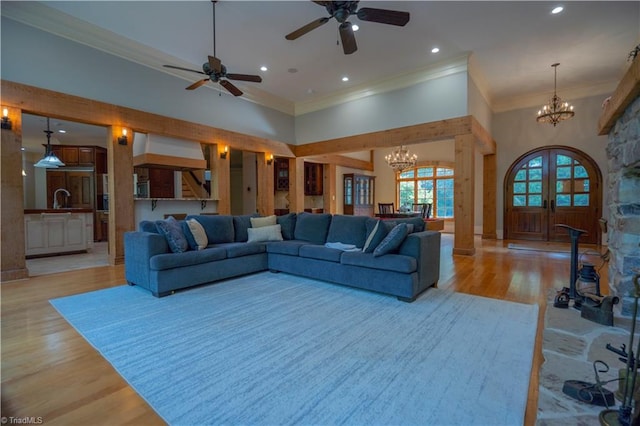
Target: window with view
<point>427,184</point>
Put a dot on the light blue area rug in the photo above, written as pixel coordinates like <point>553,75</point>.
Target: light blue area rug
<point>278,349</point>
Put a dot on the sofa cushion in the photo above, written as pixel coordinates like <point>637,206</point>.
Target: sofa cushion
<point>265,233</point>
<point>240,225</point>
<point>258,222</point>
<point>312,227</point>
<point>178,260</point>
<point>241,249</point>
<point>291,247</point>
<point>418,223</point>
<point>195,234</point>
<point>388,262</point>
<point>375,235</point>
<point>313,251</point>
<point>172,231</point>
<point>148,226</point>
<point>393,240</point>
<point>287,224</point>
<point>348,230</point>
<point>219,228</point>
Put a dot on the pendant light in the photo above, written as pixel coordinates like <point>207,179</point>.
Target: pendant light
<point>49,161</point>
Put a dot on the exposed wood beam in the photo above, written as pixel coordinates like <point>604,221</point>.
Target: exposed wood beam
<point>628,90</point>
<point>409,135</point>
<point>341,160</point>
<point>40,101</point>
<point>485,142</point>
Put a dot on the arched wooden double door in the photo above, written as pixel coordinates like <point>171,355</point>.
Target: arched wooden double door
<point>549,186</point>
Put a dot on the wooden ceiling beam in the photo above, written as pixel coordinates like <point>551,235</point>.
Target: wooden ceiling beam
<point>342,160</point>
<point>408,135</point>
<point>38,101</point>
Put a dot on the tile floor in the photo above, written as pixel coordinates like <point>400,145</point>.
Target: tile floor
<point>61,263</point>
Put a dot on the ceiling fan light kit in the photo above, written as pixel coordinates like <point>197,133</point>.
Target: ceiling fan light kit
<point>556,110</point>
<point>341,11</point>
<point>216,71</point>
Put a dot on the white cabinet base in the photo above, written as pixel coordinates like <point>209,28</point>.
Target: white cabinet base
<point>53,233</point>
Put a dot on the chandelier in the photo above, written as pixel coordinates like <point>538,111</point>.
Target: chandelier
<point>400,159</point>
<point>556,110</point>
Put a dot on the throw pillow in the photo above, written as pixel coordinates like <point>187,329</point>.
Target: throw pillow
<point>172,231</point>
<point>199,234</point>
<point>287,223</point>
<point>265,233</point>
<point>258,222</point>
<point>393,240</point>
<point>375,237</point>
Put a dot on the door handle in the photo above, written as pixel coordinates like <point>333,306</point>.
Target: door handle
<point>553,206</point>
<point>544,204</point>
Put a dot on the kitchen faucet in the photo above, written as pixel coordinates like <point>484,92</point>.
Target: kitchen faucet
<point>56,205</point>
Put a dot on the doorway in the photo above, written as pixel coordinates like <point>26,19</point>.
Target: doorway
<point>550,186</point>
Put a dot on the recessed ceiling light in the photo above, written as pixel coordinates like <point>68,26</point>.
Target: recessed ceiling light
<point>263,68</point>
<point>345,78</point>
<point>355,27</point>
<point>557,10</point>
<point>62,131</point>
<point>435,50</point>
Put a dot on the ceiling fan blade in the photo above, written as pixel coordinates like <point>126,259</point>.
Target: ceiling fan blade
<point>245,77</point>
<point>183,69</point>
<point>215,64</point>
<point>348,39</point>
<point>230,87</point>
<point>303,30</point>
<point>383,16</point>
<point>197,84</point>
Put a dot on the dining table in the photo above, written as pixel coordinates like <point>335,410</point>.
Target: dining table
<point>398,215</point>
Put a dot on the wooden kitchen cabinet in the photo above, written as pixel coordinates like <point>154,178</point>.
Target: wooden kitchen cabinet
<point>101,160</point>
<point>281,174</point>
<point>86,156</point>
<point>313,179</point>
<point>161,183</point>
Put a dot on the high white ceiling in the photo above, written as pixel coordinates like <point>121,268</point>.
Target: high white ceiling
<point>511,45</point>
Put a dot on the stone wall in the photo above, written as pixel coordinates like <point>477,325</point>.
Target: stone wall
<point>623,201</point>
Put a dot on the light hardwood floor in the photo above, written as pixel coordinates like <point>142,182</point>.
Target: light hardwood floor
<point>50,372</point>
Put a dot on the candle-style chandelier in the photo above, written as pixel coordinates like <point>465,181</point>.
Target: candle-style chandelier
<point>400,159</point>
<point>556,110</point>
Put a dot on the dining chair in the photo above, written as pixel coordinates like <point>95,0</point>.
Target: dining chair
<point>386,208</point>
<point>423,208</point>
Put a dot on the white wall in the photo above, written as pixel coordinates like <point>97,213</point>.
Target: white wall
<point>432,100</point>
<point>62,65</point>
<point>517,132</point>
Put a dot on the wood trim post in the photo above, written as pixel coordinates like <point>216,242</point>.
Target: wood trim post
<point>329,188</point>
<point>265,199</point>
<point>464,195</point>
<point>121,207</point>
<point>489,197</point>
<point>296,185</point>
<point>221,178</point>
<point>12,238</point>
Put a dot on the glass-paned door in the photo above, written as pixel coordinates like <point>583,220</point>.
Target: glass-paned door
<point>552,186</point>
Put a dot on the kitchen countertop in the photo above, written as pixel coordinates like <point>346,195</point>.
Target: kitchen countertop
<point>39,211</point>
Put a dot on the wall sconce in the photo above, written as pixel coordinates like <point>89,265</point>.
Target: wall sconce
<point>270,160</point>
<point>122,140</point>
<point>6,123</point>
<point>223,154</point>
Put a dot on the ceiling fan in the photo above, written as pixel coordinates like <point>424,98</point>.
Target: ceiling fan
<point>341,10</point>
<point>216,71</point>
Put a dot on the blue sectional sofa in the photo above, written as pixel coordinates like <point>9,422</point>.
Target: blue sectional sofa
<point>398,258</point>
